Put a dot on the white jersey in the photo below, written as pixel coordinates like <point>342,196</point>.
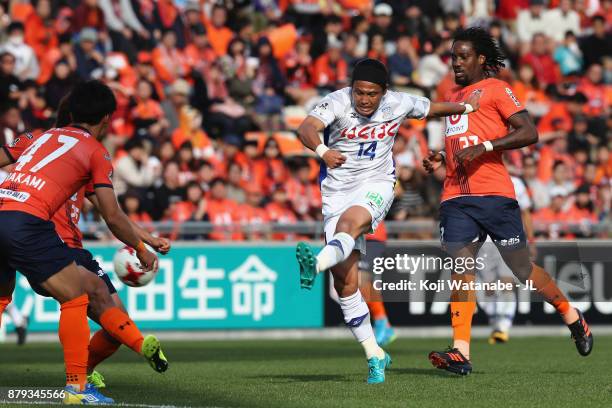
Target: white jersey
<point>366,142</point>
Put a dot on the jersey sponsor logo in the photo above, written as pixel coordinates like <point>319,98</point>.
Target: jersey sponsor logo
<point>370,132</point>
<point>322,107</point>
<point>14,195</point>
<point>29,180</point>
<point>511,95</point>
<point>456,125</point>
<point>386,112</point>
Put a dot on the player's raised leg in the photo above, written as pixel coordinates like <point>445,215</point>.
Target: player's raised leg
<point>118,328</point>
<point>520,264</point>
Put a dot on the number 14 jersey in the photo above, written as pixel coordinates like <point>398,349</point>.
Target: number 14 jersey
<point>365,141</point>
<point>52,167</point>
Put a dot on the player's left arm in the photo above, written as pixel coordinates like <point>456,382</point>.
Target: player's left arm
<point>524,133</point>
<point>160,245</point>
<point>441,109</point>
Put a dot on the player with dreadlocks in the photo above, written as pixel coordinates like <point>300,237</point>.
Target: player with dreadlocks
<point>478,197</point>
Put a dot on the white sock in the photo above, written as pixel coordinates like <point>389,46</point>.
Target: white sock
<point>505,311</point>
<point>357,318</point>
<point>16,315</point>
<point>336,251</point>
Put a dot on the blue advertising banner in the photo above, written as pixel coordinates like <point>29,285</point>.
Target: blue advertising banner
<point>202,287</point>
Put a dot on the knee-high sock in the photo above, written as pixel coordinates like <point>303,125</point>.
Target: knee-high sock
<point>500,308</point>
<point>505,309</point>
<point>121,327</point>
<point>101,347</point>
<point>357,318</point>
<point>336,251</point>
<point>549,289</point>
<point>16,316</point>
<point>463,304</point>
<point>74,336</point>
<point>4,302</point>
<point>373,300</point>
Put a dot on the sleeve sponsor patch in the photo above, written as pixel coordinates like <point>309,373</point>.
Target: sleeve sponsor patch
<point>511,95</point>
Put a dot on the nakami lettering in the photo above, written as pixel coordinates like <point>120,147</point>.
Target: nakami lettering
<point>370,132</point>
<point>31,181</point>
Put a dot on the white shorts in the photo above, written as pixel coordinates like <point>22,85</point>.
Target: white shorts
<point>375,196</point>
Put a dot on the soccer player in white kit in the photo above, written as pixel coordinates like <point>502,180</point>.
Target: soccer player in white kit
<point>500,306</point>
<point>357,179</point>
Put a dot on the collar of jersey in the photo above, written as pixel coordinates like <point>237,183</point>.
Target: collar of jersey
<point>80,128</point>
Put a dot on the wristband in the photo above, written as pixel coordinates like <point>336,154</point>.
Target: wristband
<point>443,154</point>
<point>140,247</point>
<point>488,145</point>
<point>468,109</point>
<point>321,150</point>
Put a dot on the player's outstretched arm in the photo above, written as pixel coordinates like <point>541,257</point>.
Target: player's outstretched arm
<point>308,132</point>
<point>120,226</point>
<point>161,245</point>
<point>440,109</point>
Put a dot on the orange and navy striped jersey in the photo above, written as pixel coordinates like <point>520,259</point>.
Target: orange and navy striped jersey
<point>487,175</point>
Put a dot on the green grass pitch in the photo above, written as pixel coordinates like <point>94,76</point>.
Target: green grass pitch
<point>527,372</point>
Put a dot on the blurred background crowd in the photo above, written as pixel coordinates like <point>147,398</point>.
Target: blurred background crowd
<point>210,94</point>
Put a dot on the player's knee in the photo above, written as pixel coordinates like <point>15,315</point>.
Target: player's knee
<point>98,294</point>
<point>346,225</point>
<point>344,287</point>
<point>521,267</point>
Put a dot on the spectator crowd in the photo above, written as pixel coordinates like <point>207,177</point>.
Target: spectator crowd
<point>210,94</point>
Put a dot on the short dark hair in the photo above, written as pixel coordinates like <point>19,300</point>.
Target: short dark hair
<point>90,102</point>
<point>63,112</point>
<point>371,70</point>
<point>483,44</point>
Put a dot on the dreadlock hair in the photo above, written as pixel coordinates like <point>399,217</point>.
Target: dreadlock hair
<point>483,44</point>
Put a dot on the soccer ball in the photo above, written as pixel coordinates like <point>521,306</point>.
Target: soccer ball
<point>128,268</point>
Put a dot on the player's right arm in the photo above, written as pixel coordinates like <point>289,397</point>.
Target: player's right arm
<point>115,218</point>
<point>308,132</point>
<point>120,225</point>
